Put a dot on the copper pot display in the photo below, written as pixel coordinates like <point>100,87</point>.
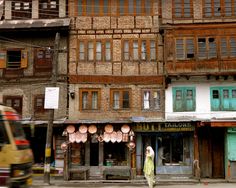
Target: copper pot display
<point>78,137</point>
<point>83,129</point>
<point>125,129</point>
<point>106,136</point>
<point>100,138</point>
<point>92,129</point>
<point>125,137</point>
<point>131,145</point>
<point>72,137</point>
<point>64,146</point>
<point>84,137</point>
<point>70,129</point>
<point>119,136</point>
<point>108,128</point>
<point>113,137</point>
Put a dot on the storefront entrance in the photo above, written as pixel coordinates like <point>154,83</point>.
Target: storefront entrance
<point>173,145</point>
<point>211,148</point>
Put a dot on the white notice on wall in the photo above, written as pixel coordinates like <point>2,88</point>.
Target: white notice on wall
<point>51,98</point>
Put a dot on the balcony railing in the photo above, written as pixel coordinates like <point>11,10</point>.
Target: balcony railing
<point>201,67</point>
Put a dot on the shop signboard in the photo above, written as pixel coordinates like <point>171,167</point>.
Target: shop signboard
<point>164,127</point>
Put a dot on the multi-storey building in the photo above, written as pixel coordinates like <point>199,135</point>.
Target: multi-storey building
<point>27,37</point>
<point>200,67</point>
<point>115,85</point>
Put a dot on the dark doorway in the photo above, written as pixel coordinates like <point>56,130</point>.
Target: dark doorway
<point>211,149</point>
<point>94,153</point>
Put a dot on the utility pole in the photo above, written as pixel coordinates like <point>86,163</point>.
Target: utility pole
<point>51,113</point>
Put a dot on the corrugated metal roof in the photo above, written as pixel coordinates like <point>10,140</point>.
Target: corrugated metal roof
<point>34,23</point>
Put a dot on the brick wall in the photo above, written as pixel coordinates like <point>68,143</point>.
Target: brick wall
<point>106,111</point>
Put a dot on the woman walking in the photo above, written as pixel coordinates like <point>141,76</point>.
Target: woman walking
<point>148,168</point>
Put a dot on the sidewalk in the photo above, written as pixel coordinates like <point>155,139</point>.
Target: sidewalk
<point>60,182</point>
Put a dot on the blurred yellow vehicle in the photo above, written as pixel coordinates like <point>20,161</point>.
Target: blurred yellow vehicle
<point>16,158</point>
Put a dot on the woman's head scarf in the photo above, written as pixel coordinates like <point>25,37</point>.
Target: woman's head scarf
<point>151,152</point>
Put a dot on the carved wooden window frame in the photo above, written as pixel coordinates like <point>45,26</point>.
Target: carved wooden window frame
<point>181,7</point>
<point>88,51</point>
<point>219,9</point>
<point>108,8</point>
<point>129,50</point>
<point>90,105</point>
<point>118,99</point>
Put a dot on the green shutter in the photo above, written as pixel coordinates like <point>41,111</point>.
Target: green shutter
<point>190,99</point>
<point>231,146</point>
<point>215,99</point>
<point>184,99</point>
<point>178,100</point>
<point>225,95</point>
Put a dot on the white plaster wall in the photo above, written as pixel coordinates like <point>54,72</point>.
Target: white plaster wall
<point>203,105</point>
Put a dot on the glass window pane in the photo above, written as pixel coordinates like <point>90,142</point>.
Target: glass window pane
<point>96,7</point>
<point>138,7</point>
<point>131,6</point>
<point>89,4</point>
<point>98,50</point>
<point>212,48</point>
<point>53,4</point>
<point>178,95</point>
<point>116,99</point>
<point>122,7</point>
<point>201,48</point>
<point>80,7</point>
<point>189,94</point>
<point>147,6</point>
<point>39,102</point>
<point>223,47</point>
<point>190,48</point>
<point>217,8</point>
<point>105,7</point>
<point>90,51</point>
<point>81,51</point>
<point>94,100</point>
<point>225,93</point>
<point>143,50</point>
<point>234,93</point>
<point>215,94</point>
<point>228,8</point>
<point>156,100</point>
<point>208,8</point>
<point>126,50</point>
<point>187,8</point>
<point>125,99</point>
<point>135,50</point>
<point>84,100</point>
<point>152,50</point>
<point>108,51</point>
<point>146,99</point>
<point>179,48</point>
<point>232,43</point>
<point>9,102</point>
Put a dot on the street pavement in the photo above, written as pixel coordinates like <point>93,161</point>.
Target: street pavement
<point>116,185</point>
<point>161,183</point>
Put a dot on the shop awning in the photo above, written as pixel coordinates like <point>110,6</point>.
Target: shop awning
<point>34,23</point>
<point>223,123</point>
<point>29,121</point>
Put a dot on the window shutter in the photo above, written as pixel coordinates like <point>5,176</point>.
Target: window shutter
<point>24,58</point>
<point>178,102</point>
<point>190,99</point>
<point>215,99</point>
<point>3,55</point>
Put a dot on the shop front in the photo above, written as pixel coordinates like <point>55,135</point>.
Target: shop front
<point>98,151</point>
<point>173,143</point>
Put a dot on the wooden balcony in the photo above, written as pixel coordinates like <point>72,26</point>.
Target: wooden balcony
<point>221,67</point>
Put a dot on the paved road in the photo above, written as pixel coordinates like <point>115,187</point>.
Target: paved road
<point>198,185</point>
